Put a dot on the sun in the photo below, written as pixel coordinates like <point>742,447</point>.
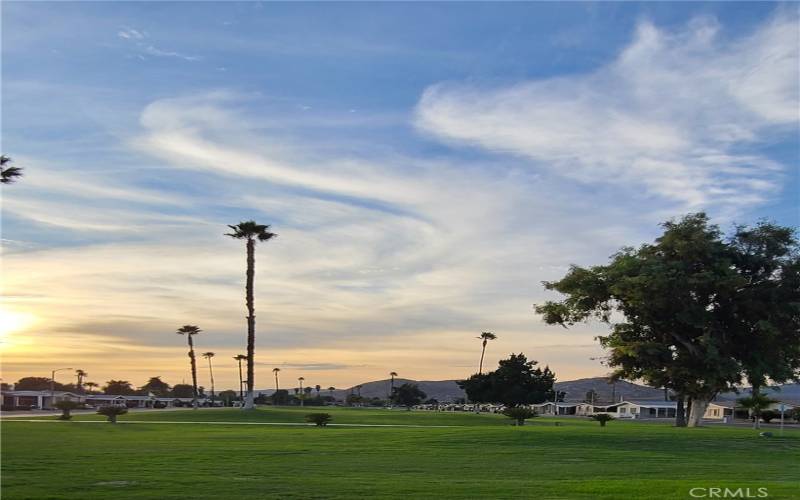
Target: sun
<point>13,322</point>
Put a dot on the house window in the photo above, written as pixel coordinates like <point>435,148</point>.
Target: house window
<point>623,410</point>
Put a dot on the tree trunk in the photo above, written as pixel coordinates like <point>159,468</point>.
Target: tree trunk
<point>251,322</point>
<point>194,372</point>
<point>211,373</point>
<point>241,384</point>
<point>680,412</point>
<point>698,409</point>
<point>755,393</point>
<point>483,351</point>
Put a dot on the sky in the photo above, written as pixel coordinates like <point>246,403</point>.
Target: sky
<point>425,165</point>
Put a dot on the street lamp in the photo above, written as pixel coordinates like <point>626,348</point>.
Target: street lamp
<point>53,386</point>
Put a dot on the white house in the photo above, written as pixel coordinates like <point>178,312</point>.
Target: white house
<point>647,409</point>
<point>43,400</point>
<point>562,408</point>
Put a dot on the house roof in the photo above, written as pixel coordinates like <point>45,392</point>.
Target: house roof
<point>39,393</point>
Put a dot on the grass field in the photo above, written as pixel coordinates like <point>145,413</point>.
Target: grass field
<point>481,457</point>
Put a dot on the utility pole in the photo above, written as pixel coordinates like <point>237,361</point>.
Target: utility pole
<point>53,386</point>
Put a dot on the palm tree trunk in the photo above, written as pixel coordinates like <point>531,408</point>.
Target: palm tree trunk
<point>755,393</point>
<point>483,351</point>
<point>251,321</point>
<point>211,372</point>
<point>241,384</point>
<point>276,383</point>
<point>194,372</point>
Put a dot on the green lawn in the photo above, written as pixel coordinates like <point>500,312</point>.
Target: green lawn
<point>483,457</point>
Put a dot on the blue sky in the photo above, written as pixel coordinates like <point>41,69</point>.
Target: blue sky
<point>426,167</point>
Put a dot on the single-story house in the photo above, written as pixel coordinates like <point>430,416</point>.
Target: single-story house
<point>646,409</point>
<point>562,408</point>
<point>128,401</point>
<point>36,400</point>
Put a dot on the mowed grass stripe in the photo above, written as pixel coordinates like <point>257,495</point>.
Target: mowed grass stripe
<point>488,459</point>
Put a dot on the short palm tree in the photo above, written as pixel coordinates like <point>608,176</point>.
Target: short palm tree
<point>240,358</point>
<point>756,403</point>
<point>91,385</point>
<point>276,371</point>
<point>190,331</point>
<point>485,337</point>
<point>393,375</point>
<point>250,232</point>
<point>330,391</point>
<point>317,388</point>
<point>302,394</point>
<point>208,356</point>
<point>81,375</point>
<point>8,174</point>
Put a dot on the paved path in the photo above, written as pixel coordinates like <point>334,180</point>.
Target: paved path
<point>53,413</point>
<point>230,423</point>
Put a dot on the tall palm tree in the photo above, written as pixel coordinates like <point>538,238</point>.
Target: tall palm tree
<point>486,337</point>
<point>302,397</point>
<point>276,371</point>
<point>91,385</point>
<point>208,356</point>
<point>393,375</point>
<point>8,174</point>
<point>190,331</point>
<point>240,358</point>
<point>81,375</point>
<point>251,232</point>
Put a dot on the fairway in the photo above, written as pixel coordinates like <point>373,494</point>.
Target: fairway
<point>481,456</point>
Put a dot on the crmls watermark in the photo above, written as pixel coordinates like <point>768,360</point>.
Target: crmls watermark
<point>728,492</point>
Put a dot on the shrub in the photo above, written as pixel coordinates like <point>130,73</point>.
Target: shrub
<point>66,406</point>
<point>319,419</point>
<point>112,412</point>
<point>768,415</point>
<point>520,414</point>
<point>795,414</point>
<point>602,418</point>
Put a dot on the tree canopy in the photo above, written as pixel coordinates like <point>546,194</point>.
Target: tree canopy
<point>408,395</point>
<point>119,387</point>
<point>694,311</point>
<point>516,381</point>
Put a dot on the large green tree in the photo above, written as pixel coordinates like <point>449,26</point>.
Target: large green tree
<point>689,312</point>
<point>156,386</point>
<point>190,331</point>
<point>516,381</point>
<point>119,388</point>
<point>408,395</point>
<point>251,233</point>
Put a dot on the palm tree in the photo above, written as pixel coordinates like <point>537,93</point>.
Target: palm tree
<point>208,356</point>
<point>189,331</point>
<point>91,385</point>
<point>756,403</point>
<point>317,388</point>
<point>330,391</point>
<point>81,375</point>
<point>240,358</point>
<point>486,337</point>
<point>8,174</point>
<point>393,375</point>
<point>276,371</point>
<point>251,232</point>
<point>302,397</point>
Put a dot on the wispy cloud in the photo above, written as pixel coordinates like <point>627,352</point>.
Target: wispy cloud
<point>141,40</point>
<point>672,114</point>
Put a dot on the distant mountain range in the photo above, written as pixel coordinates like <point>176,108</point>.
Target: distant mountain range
<point>576,390</point>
